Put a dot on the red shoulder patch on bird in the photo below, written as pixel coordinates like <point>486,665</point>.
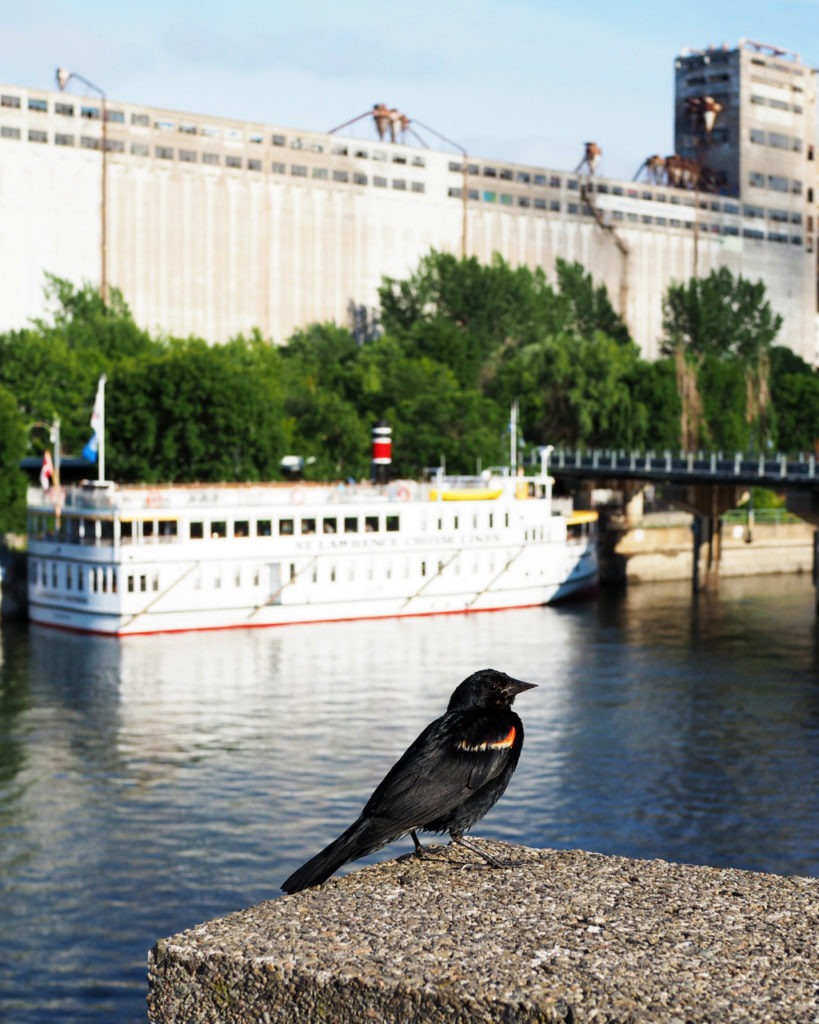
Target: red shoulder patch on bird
<point>502,744</point>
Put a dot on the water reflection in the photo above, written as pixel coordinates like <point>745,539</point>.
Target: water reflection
<point>151,783</point>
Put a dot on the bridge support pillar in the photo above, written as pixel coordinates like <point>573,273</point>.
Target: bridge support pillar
<point>634,503</point>
<point>707,502</point>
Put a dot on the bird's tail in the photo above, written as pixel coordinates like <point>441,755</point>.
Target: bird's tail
<point>356,842</point>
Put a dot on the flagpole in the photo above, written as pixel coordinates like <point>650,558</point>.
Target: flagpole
<point>101,430</point>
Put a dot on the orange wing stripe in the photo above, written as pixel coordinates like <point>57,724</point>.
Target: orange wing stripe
<point>502,744</point>
<point>507,740</point>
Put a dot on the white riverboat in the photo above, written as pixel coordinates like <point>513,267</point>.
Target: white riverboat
<point>135,559</point>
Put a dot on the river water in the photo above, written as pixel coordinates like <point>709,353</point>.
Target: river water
<point>150,784</point>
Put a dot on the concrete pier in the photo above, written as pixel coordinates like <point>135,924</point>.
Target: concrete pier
<point>553,936</point>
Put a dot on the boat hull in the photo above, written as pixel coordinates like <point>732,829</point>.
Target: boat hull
<point>130,564</point>
<point>247,617</point>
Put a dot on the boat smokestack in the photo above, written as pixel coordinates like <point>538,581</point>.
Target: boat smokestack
<point>382,452</point>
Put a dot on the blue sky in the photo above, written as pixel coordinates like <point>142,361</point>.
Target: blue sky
<point>518,80</point>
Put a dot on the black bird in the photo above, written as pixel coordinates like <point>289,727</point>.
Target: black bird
<point>447,780</point>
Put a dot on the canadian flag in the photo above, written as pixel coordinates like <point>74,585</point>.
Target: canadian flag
<point>46,471</point>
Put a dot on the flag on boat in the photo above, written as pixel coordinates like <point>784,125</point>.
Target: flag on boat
<point>89,453</point>
<point>91,450</point>
<point>46,471</point>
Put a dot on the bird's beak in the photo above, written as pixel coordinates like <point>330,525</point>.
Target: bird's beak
<point>512,687</point>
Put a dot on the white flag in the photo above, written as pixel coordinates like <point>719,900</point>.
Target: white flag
<point>98,411</point>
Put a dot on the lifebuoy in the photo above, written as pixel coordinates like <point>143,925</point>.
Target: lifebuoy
<point>297,497</point>
<point>403,493</point>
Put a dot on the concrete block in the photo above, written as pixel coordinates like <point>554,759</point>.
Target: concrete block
<point>553,936</point>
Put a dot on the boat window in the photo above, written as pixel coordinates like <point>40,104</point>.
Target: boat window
<point>54,581</point>
<point>491,520</point>
<point>351,524</point>
<point>308,526</point>
<point>423,568</point>
<point>285,527</point>
<point>113,581</point>
<point>329,525</point>
<point>69,577</point>
<point>143,583</point>
<point>32,570</point>
<point>130,584</point>
<point>167,529</point>
<point>126,531</point>
<point>148,528</point>
<point>263,528</point>
<point>87,532</point>
<point>440,523</point>
<point>371,524</point>
<point>392,524</point>
<point>241,528</point>
<point>218,528</point>
<point>455,523</point>
<point>292,572</point>
<point>107,531</point>
<point>197,531</point>
<point>80,578</point>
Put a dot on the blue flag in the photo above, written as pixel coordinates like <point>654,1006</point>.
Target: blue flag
<point>89,453</point>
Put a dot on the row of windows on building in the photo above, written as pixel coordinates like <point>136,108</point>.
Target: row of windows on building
<point>673,198</point>
<point>231,135</point>
<point>779,140</point>
<point>230,161</point>
<point>630,217</point>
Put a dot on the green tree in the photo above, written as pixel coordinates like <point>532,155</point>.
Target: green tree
<point>586,307</point>
<point>578,390</point>
<point>725,318</point>
<point>795,397</point>
<point>52,368</point>
<point>103,333</point>
<point>12,480</point>
<point>192,414</point>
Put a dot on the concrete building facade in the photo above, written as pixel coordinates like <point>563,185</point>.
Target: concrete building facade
<point>215,227</point>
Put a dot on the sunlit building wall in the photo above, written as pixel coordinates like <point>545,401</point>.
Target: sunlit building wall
<point>217,227</point>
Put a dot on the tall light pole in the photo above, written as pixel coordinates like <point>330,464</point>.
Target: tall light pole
<point>64,76</point>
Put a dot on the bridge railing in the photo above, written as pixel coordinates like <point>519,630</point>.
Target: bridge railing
<point>765,469</point>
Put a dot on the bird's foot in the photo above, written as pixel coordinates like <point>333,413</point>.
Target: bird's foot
<point>469,845</point>
<point>422,851</point>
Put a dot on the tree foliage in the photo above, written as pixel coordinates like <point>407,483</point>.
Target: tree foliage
<point>460,342</point>
<point>725,319</point>
<point>12,481</point>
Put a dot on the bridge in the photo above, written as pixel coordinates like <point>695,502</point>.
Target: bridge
<point>704,483</point>
<point>778,472</point>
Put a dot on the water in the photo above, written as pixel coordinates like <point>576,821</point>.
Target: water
<point>149,784</point>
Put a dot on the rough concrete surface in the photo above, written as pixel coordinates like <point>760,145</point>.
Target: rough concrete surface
<point>552,936</point>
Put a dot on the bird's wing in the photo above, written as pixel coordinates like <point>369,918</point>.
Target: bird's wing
<point>451,759</point>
